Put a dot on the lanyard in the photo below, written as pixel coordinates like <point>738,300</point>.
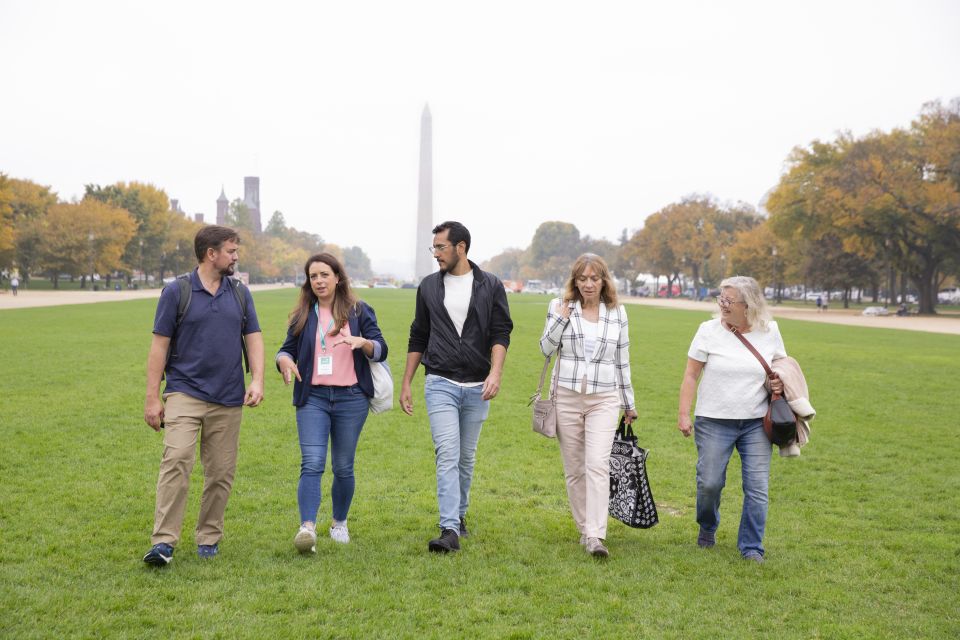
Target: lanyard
<point>323,334</point>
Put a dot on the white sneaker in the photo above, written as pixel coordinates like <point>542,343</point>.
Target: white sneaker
<point>306,540</point>
<point>339,533</point>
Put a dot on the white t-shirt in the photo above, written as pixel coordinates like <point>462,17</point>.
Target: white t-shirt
<point>732,383</point>
<point>589,337</point>
<point>456,299</point>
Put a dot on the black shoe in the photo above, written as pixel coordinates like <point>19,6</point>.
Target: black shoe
<point>447,542</point>
<point>463,527</point>
<point>159,555</point>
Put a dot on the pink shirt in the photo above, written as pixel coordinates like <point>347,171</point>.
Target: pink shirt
<point>343,374</point>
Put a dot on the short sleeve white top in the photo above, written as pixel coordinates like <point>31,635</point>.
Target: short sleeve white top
<point>732,383</point>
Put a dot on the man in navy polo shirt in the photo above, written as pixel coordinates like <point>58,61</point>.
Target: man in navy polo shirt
<point>204,394</point>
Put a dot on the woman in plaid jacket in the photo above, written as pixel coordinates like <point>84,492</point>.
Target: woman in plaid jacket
<point>589,329</point>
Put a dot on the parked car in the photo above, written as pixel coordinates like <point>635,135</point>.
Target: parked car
<point>876,311</point>
<point>950,295</point>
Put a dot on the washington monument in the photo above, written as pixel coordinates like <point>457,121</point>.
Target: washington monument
<point>424,263</point>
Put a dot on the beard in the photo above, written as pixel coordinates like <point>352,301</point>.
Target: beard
<point>450,265</point>
<point>228,270</point>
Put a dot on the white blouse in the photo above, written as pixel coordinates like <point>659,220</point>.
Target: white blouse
<point>732,383</point>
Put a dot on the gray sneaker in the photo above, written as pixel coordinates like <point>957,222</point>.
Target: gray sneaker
<point>596,549</point>
<point>753,556</point>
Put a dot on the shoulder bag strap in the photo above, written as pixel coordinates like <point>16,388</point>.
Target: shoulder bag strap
<point>543,376</point>
<point>756,353</point>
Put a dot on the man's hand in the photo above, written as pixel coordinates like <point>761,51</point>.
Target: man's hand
<point>491,386</point>
<point>254,395</point>
<point>153,412</point>
<point>406,399</point>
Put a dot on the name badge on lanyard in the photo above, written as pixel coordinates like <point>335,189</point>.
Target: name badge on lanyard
<point>324,361</point>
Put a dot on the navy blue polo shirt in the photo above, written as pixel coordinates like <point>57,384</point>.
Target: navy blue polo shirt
<point>206,359</point>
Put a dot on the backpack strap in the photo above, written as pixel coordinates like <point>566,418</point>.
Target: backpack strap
<point>240,293</point>
<point>186,292</point>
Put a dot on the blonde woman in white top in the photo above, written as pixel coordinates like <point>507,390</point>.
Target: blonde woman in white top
<point>731,403</point>
<point>590,329</point>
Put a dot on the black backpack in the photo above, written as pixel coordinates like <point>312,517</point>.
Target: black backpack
<point>186,293</point>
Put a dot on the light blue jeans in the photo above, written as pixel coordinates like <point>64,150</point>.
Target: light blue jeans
<point>335,415</point>
<point>716,440</point>
<point>456,416</point>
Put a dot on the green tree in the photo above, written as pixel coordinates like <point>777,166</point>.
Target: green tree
<point>28,203</point>
<point>357,264</point>
<point>150,209</point>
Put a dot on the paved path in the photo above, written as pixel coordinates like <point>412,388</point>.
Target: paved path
<point>939,324</point>
<point>25,299</point>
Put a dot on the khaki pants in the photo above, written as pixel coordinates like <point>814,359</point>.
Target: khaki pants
<point>218,428</point>
<point>586,424</point>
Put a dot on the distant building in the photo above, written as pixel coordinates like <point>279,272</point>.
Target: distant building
<point>251,198</point>
<point>223,206</point>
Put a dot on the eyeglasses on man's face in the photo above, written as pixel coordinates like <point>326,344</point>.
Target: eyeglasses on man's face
<point>439,248</point>
<point>726,302</point>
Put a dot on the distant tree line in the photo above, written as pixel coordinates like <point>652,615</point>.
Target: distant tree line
<point>878,213</point>
<point>125,229</point>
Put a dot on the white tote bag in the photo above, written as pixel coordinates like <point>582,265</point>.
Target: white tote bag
<point>382,399</point>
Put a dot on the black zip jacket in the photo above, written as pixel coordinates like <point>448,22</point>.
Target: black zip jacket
<point>461,358</point>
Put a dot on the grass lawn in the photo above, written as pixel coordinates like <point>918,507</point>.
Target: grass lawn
<point>863,537</point>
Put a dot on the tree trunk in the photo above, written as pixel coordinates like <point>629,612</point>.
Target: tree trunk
<point>83,281</point>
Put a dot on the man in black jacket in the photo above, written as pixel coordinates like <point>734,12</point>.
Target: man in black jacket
<point>460,332</point>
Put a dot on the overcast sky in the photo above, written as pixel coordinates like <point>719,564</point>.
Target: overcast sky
<point>596,113</point>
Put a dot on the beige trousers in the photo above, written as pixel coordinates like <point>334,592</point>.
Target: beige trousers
<point>586,424</point>
<point>218,428</point>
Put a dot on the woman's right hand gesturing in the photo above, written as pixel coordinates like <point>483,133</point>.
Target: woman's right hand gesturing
<point>288,369</point>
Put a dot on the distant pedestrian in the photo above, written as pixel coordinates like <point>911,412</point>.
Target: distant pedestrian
<point>819,304</point>
<point>460,332</point>
<point>201,354</point>
<point>14,284</point>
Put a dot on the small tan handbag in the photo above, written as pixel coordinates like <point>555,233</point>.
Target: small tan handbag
<point>545,411</point>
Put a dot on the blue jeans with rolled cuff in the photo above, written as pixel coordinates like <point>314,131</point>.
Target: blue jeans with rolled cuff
<point>716,439</point>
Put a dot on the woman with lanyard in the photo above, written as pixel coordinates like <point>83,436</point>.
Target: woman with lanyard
<point>331,337</point>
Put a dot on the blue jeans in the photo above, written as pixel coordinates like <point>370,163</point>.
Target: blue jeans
<point>336,414</point>
<point>456,417</point>
<point>716,440</point>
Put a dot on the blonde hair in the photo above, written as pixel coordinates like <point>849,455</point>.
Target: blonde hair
<point>758,314</point>
<point>608,292</point>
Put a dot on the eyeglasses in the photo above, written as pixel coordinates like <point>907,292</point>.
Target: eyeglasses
<point>437,248</point>
<point>726,302</point>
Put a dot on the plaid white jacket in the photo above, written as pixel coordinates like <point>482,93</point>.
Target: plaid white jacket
<point>607,368</point>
